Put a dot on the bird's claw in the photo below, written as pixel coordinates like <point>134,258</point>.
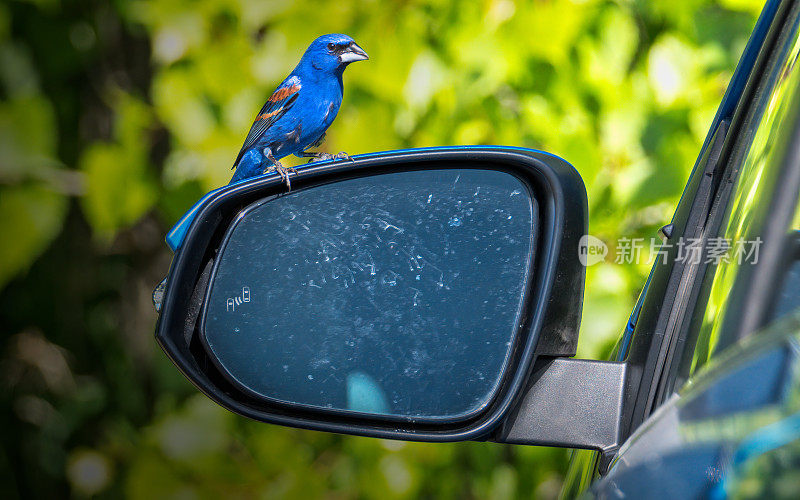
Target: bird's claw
<point>321,157</point>
<point>327,156</point>
<point>341,155</point>
<point>283,172</point>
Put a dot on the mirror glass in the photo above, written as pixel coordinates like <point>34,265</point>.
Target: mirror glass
<point>397,294</point>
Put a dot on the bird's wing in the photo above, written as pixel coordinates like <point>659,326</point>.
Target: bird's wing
<point>276,106</point>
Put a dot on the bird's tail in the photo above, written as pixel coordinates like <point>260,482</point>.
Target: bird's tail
<point>249,166</point>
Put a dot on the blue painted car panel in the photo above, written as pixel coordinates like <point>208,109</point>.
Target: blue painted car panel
<point>744,404</point>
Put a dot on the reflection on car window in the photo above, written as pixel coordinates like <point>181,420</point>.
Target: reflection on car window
<point>758,155</point>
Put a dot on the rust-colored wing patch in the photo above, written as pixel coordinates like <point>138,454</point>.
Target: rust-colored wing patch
<point>267,116</point>
<point>276,106</point>
<point>284,92</point>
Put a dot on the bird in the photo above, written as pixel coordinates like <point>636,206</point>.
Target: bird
<point>298,113</point>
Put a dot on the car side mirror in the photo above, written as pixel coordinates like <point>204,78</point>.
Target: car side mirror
<point>428,294</point>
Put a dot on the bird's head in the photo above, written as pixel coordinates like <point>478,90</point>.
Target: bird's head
<point>332,53</point>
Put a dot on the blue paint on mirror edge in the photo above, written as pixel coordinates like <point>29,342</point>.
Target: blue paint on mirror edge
<point>177,233</point>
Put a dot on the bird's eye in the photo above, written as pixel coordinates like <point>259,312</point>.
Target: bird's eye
<point>331,46</point>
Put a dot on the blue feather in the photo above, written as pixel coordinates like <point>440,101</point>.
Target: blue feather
<point>249,165</point>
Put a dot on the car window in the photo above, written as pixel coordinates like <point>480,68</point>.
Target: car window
<point>755,159</point>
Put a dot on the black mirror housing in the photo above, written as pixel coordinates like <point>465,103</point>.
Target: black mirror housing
<point>547,324</point>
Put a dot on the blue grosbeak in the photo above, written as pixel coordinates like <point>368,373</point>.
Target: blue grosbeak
<point>300,110</point>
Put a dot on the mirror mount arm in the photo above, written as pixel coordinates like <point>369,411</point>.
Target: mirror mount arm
<point>573,403</point>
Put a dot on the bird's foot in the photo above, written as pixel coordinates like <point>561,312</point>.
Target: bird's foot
<point>341,155</point>
<point>327,156</point>
<point>321,157</point>
<point>282,171</point>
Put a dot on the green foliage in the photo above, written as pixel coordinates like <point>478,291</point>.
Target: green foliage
<point>31,217</point>
<point>119,187</point>
<point>115,117</point>
<point>30,213</point>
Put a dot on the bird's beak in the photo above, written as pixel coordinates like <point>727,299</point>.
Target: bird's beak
<point>352,54</point>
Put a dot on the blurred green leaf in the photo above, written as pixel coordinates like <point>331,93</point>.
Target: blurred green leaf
<point>119,186</point>
<point>30,218</point>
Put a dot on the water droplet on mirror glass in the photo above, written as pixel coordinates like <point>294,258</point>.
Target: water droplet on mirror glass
<point>454,221</point>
